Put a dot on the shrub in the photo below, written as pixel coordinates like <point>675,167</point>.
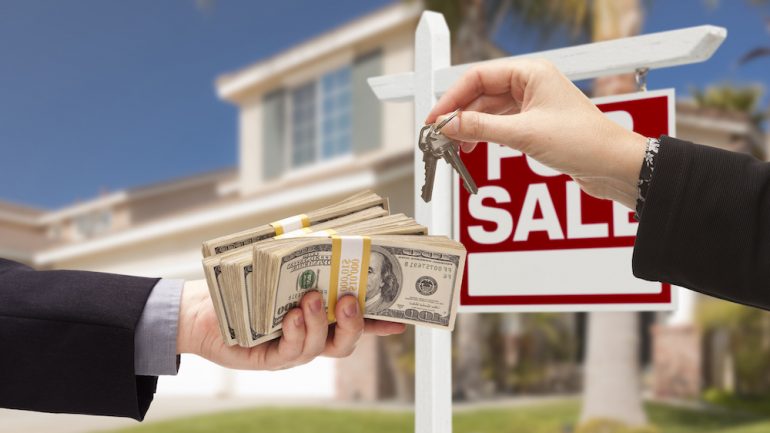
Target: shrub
<point>748,330</point>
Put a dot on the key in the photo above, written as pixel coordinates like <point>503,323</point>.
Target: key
<point>429,161</point>
<point>435,145</point>
<point>451,155</point>
<point>449,150</point>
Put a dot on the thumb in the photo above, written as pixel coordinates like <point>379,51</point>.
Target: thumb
<point>473,126</point>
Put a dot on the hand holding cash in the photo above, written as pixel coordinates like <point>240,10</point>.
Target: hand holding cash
<point>306,333</point>
<point>275,289</point>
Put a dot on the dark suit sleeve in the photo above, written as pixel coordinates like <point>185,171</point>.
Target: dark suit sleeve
<point>67,342</point>
<point>705,224</point>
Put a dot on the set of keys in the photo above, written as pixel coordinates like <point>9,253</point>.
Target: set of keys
<point>434,146</point>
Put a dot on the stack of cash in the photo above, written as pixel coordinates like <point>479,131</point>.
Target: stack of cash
<point>397,272</point>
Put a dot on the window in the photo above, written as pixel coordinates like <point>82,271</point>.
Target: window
<point>303,124</point>
<point>336,113</point>
<point>320,118</point>
<point>330,116</point>
<point>93,223</point>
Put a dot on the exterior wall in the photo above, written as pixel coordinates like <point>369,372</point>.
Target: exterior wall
<point>250,144</point>
<point>677,361</point>
<point>22,228</point>
<point>356,379</point>
<point>18,240</point>
<point>398,117</point>
<point>715,138</point>
<point>124,216</point>
<point>150,208</point>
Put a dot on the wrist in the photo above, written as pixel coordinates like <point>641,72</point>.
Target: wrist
<point>619,160</point>
<point>193,293</point>
<point>632,146</point>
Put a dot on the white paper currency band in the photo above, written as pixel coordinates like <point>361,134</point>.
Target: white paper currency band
<point>307,232</point>
<point>296,233</point>
<point>321,234</point>
<point>290,224</point>
<point>350,267</point>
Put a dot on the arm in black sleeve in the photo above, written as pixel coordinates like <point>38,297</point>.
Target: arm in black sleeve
<point>706,223</point>
<point>67,342</point>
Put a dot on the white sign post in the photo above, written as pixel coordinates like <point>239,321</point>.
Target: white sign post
<point>433,359</point>
<point>432,76</point>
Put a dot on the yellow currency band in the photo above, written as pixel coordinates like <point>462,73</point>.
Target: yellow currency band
<point>290,224</point>
<point>350,269</point>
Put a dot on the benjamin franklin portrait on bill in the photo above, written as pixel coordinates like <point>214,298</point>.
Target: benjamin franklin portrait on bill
<point>384,280</point>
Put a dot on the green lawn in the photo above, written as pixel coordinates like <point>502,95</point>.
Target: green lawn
<point>546,418</point>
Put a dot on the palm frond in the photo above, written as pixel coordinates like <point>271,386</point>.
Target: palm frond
<point>547,17</point>
<point>753,55</point>
<point>728,97</point>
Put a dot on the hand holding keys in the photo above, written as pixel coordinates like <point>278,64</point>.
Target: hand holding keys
<point>435,145</point>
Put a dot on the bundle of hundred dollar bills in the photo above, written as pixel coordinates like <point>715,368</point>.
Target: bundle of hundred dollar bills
<point>389,262</point>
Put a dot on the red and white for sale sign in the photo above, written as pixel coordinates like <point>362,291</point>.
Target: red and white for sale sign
<point>536,242</point>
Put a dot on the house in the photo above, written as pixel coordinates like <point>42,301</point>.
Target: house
<point>310,132</point>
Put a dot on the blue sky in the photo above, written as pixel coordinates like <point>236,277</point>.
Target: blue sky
<point>103,95</point>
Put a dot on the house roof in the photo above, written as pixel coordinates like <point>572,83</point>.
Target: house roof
<point>230,85</point>
<point>19,214</point>
<point>22,214</point>
<point>19,244</point>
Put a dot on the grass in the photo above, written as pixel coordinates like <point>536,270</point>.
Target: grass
<point>545,418</point>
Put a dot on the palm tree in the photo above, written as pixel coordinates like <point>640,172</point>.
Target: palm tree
<point>731,98</point>
<point>612,388</point>
<point>741,101</point>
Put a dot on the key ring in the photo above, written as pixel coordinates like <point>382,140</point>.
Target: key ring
<point>423,140</point>
<point>437,128</point>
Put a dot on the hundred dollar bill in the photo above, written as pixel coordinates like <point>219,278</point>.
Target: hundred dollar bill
<point>408,279</point>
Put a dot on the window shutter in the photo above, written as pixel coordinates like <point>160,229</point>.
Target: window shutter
<point>273,134</point>
<point>366,108</point>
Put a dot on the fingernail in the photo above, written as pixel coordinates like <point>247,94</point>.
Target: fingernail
<point>352,309</point>
<point>451,128</point>
<point>315,306</point>
<point>299,321</point>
